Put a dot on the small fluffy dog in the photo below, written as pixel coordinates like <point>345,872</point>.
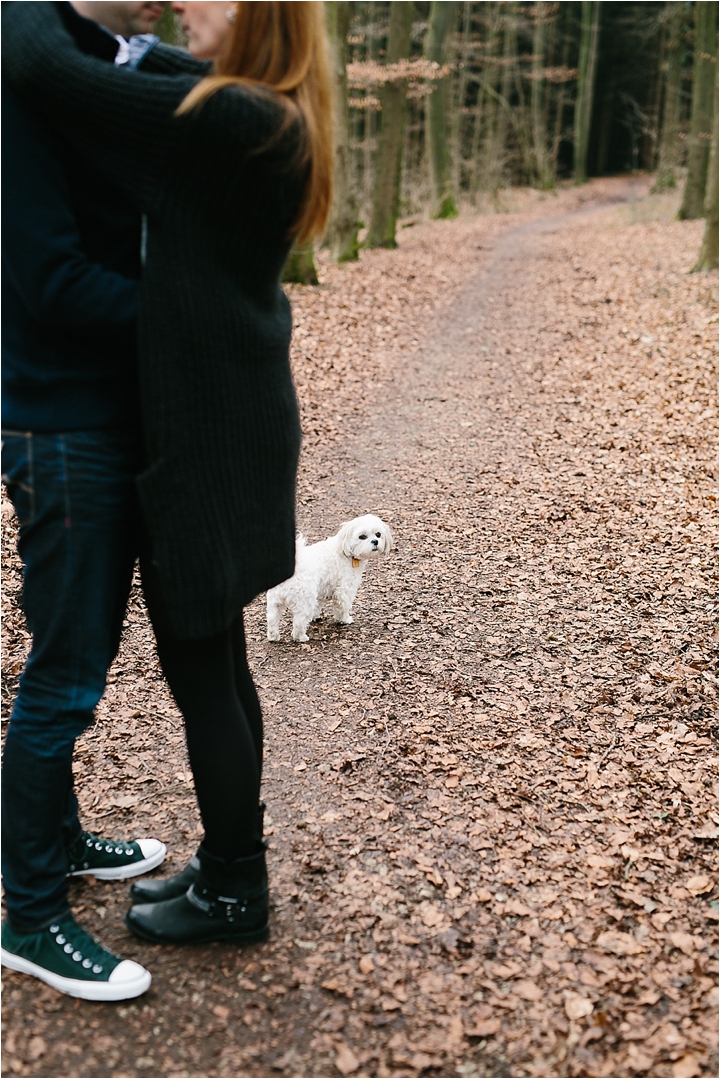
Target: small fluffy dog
<point>327,574</point>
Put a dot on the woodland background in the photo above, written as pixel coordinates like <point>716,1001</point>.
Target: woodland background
<point>440,103</point>
<point>491,814</point>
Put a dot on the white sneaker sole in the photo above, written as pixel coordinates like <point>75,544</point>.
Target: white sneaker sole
<point>124,872</point>
<point>76,987</point>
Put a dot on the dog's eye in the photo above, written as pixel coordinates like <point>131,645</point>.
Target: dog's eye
<point>378,535</point>
<point>363,536</point>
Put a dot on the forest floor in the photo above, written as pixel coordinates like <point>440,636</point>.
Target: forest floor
<point>490,799</point>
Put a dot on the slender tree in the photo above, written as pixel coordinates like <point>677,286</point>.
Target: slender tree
<point>443,14</point>
<point>543,171</point>
<point>300,266</point>
<point>342,231</point>
<point>561,97</point>
<point>589,35</point>
<point>484,102</point>
<point>386,195</point>
<point>670,145</point>
<point>708,259</point>
<point>701,116</point>
<point>459,104</point>
<point>503,112</point>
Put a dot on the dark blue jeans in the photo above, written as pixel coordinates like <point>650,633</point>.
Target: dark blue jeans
<point>74,495</point>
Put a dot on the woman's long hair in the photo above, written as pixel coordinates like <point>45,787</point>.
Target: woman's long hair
<point>282,46</point>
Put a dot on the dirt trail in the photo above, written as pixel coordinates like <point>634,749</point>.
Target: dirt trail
<point>489,804</point>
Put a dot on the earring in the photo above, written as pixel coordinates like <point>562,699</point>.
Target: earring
<point>230,15</point>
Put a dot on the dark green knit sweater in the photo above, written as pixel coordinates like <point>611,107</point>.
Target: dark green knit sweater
<point>219,407</point>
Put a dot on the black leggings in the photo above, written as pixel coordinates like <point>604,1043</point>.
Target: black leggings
<point>212,685</point>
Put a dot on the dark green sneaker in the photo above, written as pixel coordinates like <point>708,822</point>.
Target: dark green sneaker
<point>73,962</point>
<point>92,855</point>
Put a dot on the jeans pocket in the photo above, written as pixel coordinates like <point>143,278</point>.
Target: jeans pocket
<point>18,474</point>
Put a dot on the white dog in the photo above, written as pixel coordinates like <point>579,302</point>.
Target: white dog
<point>327,573</point>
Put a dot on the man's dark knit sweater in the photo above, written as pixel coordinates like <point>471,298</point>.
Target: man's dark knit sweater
<point>71,263</point>
<point>221,187</point>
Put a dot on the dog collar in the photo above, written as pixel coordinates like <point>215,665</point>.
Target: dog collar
<point>356,563</point>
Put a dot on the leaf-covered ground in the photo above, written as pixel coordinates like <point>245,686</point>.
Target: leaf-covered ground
<point>490,801</point>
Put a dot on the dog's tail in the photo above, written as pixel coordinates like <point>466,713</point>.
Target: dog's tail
<point>300,542</point>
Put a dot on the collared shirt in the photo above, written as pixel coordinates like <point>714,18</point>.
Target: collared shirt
<point>132,50</point>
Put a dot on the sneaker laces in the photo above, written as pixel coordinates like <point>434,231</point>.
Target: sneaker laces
<point>76,941</point>
<point>88,839</point>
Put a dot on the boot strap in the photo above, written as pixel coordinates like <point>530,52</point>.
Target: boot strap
<point>216,906</point>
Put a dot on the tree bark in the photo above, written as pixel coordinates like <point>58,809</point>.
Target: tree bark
<point>459,126</point>
<point>560,99</point>
<point>669,153</point>
<point>386,195</point>
<point>589,35</point>
<point>342,231</point>
<point>509,67</point>
<point>537,110</point>
<point>300,266</point>
<point>483,117</point>
<point>442,21</point>
<point>708,259</point>
<point>701,116</point>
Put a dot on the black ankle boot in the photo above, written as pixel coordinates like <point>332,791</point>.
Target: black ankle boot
<point>228,901</point>
<point>158,889</point>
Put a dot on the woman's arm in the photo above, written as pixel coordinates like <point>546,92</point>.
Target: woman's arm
<point>123,121</point>
<point>167,60</point>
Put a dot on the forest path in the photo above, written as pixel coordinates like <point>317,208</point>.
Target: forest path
<point>488,800</point>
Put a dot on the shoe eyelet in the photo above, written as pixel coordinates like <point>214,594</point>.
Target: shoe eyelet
<point>77,956</point>
<point>59,939</point>
<point>118,850</point>
<point>98,846</point>
<point>69,948</point>
<point>86,865</point>
<point>54,928</point>
<point>88,842</point>
<point>108,849</point>
<point>129,853</point>
<point>97,969</point>
<point>87,963</point>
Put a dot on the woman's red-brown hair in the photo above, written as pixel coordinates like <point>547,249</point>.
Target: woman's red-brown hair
<point>282,46</point>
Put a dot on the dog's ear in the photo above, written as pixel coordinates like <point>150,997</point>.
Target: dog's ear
<point>344,538</point>
<point>389,541</point>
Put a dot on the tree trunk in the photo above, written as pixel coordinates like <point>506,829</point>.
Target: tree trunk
<point>509,65</point>
<point>300,266</point>
<point>442,21</point>
<point>537,110</point>
<point>560,102</point>
<point>708,259</point>
<point>483,117</point>
<point>386,195</point>
<point>589,34</point>
<point>701,116</point>
<point>370,116</point>
<point>342,231</point>
<point>669,154</point>
<point>459,126</point>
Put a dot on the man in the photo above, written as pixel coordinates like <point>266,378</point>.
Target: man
<point>71,450</point>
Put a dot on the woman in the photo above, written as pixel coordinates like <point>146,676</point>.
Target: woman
<point>229,169</point>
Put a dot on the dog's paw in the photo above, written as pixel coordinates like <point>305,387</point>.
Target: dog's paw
<point>345,621</point>
<point>273,636</point>
<point>302,638</point>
